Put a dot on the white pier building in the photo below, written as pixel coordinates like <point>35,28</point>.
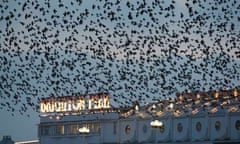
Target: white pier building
<point>199,117</point>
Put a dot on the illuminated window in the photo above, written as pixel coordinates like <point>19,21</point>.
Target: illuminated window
<point>127,129</point>
<point>198,126</point>
<point>237,125</point>
<point>217,125</point>
<point>59,130</point>
<point>179,127</point>
<point>95,127</point>
<point>71,129</point>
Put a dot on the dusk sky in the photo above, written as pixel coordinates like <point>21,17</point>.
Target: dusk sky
<point>135,50</point>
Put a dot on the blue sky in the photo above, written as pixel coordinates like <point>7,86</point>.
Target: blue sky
<point>135,50</point>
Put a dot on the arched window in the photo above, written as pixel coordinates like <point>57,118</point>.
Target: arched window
<point>179,127</point>
<point>198,126</point>
<point>237,125</point>
<point>127,129</point>
<point>217,125</point>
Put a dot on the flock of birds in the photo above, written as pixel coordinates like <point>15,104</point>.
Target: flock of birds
<point>141,50</point>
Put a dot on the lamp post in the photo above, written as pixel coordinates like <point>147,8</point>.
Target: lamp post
<point>83,132</point>
<point>156,125</point>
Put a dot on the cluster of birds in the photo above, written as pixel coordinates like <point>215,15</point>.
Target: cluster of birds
<point>141,50</point>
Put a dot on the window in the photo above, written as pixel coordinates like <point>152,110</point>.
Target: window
<point>71,129</point>
<point>95,127</point>
<point>68,129</point>
<point>217,125</point>
<point>179,127</point>
<point>115,128</point>
<point>127,129</point>
<point>59,130</point>
<point>237,125</point>
<point>44,130</point>
<point>198,126</point>
<point>144,128</point>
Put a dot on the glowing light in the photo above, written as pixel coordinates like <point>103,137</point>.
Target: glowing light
<point>58,117</point>
<point>84,130</point>
<point>136,107</point>
<point>67,104</point>
<point>171,105</point>
<point>153,106</point>
<point>156,123</point>
<point>181,98</point>
<point>235,93</point>
<point>198,96</point>
<point>216,95</point>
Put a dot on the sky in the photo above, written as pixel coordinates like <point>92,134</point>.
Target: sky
<point>135,50</point>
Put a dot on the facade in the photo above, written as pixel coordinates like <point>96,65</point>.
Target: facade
<point>7,140</point>
<point>199,117</point>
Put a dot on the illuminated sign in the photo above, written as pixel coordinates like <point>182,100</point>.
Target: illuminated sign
<point>77,103</point>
